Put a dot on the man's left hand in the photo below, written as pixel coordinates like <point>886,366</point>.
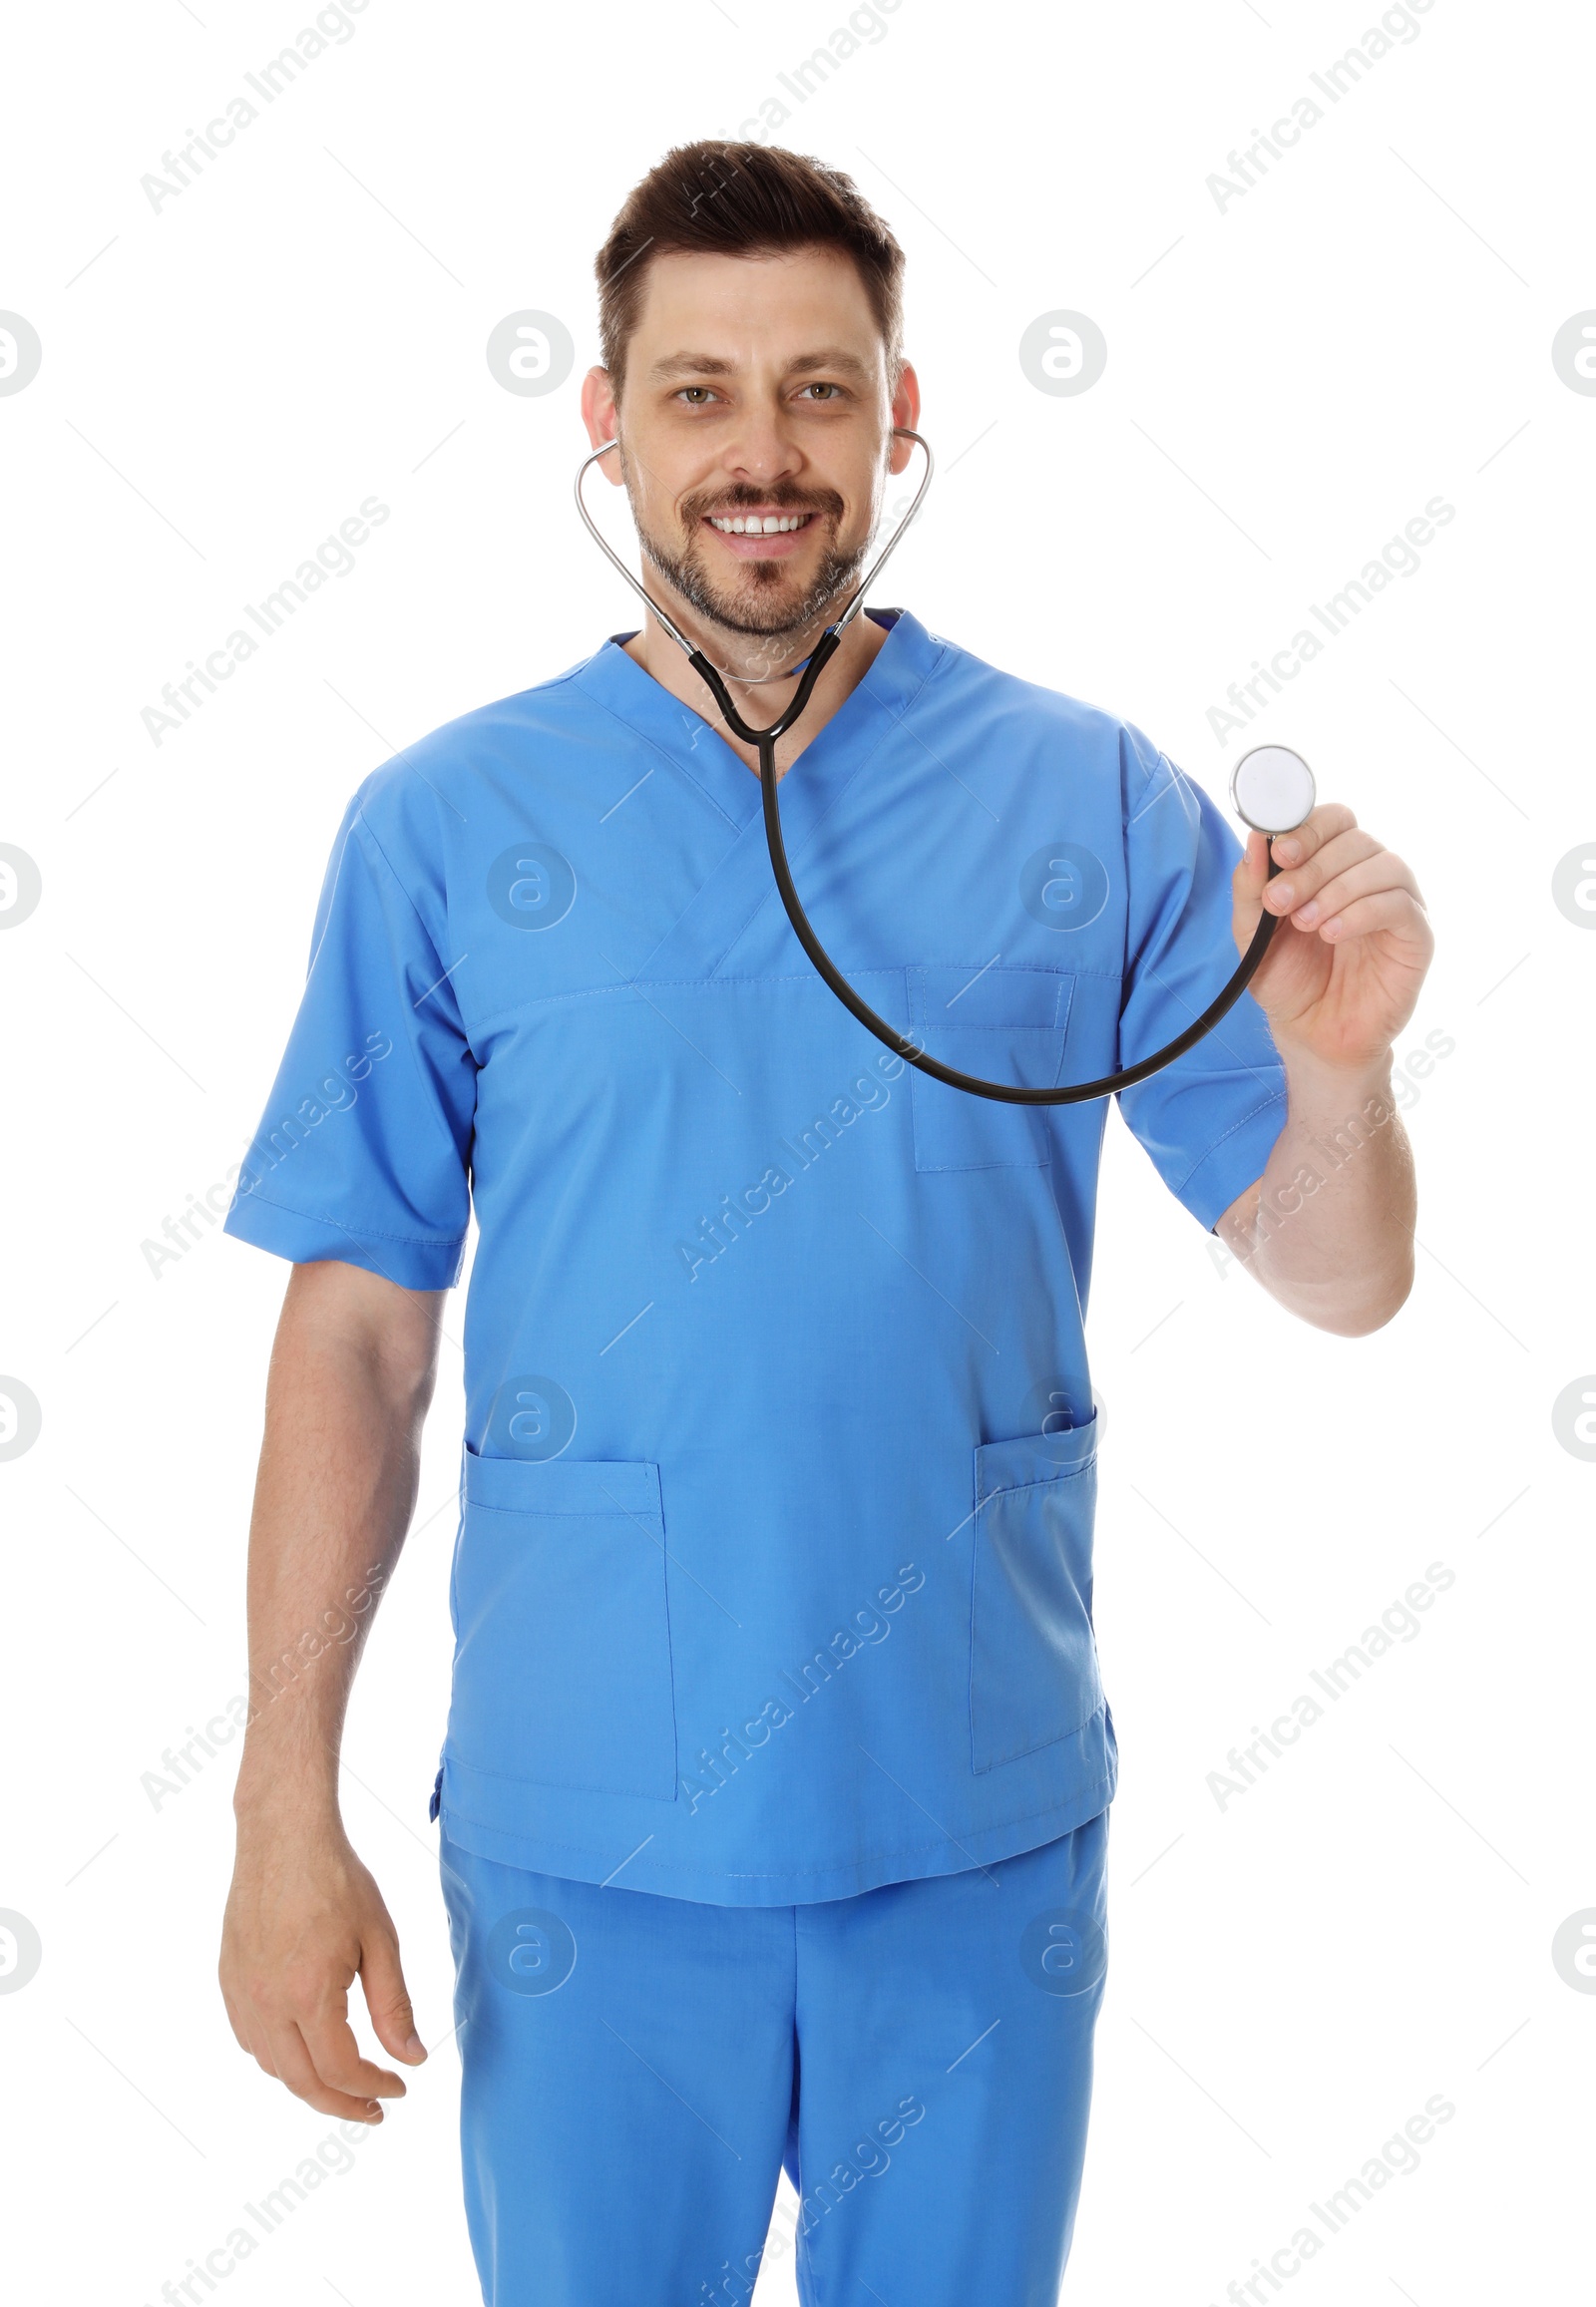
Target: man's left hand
<point>1341,975</point>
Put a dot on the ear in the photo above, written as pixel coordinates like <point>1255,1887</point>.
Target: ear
<point>600,415</point>
<point>905,411</point>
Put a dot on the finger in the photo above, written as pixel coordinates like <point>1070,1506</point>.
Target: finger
<point>1310,892</point>
<point>1290,890</point>
<point>1364,879</point>
<point>1367,877</point>
<point>388,1998</point>
<point>1387,910</point>
<point>1246,889</point>
<point>338,2061</point>
<point>1318,827</point>
<point>287,2056</point>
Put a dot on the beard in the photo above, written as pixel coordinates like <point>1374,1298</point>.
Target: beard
<point>757,599</point>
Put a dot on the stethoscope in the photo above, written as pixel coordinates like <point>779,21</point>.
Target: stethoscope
<point>1270,789</point>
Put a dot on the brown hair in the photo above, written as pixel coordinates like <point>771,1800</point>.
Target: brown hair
<point>742,199</point>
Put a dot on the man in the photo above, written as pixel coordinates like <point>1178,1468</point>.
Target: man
<point>774,1797</point>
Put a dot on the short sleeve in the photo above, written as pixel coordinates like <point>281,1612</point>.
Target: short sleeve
<point>363,1152</point>
<point>1209,1122</point>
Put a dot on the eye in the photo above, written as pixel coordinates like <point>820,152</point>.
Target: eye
<point>831,390</point>
<point>689,392</point>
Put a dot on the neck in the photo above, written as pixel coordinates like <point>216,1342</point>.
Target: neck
<point>738,657</point>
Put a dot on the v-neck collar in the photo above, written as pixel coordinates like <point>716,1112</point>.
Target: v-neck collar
<point>698,749</point>
<point>735,893</point>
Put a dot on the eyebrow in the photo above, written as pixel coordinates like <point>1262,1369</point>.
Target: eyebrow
<point>709,364</point>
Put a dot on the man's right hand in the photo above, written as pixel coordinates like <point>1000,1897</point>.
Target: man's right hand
<point>351,1375</point>
<point>304,1918</point>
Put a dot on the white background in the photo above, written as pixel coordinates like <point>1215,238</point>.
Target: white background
<point>1290,379</point>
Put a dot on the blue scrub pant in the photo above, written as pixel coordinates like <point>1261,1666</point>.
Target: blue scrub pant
<point>638,2070</point>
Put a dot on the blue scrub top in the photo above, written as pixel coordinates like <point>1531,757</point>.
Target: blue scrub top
<point>773,1578</point>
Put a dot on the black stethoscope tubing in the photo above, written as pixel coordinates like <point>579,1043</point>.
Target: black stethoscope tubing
<point>1004,1092</point>
<point>903,1045</point>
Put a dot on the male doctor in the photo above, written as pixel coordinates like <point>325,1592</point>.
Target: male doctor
<point>775,1795</point>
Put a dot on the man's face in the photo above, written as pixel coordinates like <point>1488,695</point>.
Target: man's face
<point>755,426</point>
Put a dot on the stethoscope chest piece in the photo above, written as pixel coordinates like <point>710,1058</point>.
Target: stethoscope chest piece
<point>1271,789</point>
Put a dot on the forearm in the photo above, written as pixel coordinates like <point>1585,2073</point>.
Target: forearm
<point>333,1498</point>
<point>1330,1231</point>
<point>351,1375</point>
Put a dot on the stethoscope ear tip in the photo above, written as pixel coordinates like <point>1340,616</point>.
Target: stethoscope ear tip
<point>1271,789</point>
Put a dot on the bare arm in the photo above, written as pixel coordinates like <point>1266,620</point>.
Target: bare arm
<point>1329,1227</point>
<point>351,1375</point>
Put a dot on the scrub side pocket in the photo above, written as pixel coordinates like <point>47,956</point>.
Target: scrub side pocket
<point>1033,1675</point>
<point>562,1672</point>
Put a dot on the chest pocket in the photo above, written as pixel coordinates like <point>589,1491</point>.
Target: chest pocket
<point>1006,1025</point>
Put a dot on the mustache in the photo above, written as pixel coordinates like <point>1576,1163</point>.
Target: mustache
<point>739,500</point>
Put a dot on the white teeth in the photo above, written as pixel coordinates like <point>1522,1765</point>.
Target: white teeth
<point>756,525</point>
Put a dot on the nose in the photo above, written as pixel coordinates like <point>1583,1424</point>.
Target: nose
<point>763,450</point>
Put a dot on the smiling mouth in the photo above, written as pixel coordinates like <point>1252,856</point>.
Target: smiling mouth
<point>758,524</point>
